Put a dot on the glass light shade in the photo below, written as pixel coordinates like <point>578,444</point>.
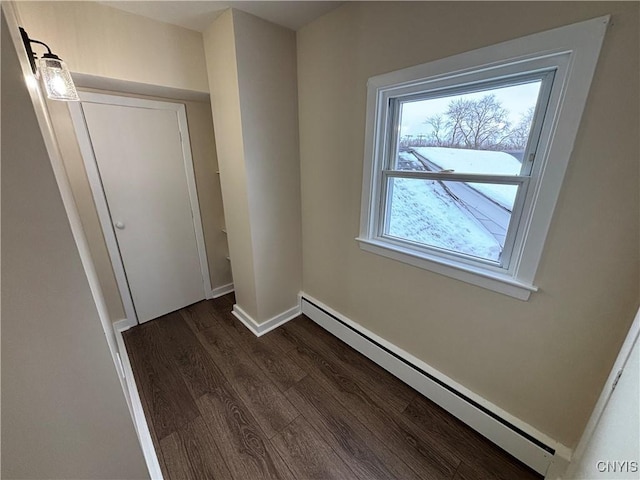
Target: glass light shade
<point>57,80</point>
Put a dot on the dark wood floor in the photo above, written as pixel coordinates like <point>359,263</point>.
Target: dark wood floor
<point>296,403</point>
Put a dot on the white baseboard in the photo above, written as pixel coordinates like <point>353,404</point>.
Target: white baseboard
<point>260,329</point>
<point>559,464</point>
<point>135,406</point>
<point>220,291</point>
<point>521,440</point>
<point>123,325</point>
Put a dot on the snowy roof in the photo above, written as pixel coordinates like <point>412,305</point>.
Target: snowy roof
<point>477,161</point>
<point>471,161</point>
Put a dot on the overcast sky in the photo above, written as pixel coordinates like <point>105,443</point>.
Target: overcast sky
<point>516,99</point>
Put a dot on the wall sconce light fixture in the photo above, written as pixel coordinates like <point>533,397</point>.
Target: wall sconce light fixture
<point>54,72</point>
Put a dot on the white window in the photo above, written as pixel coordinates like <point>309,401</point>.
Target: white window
<point>464,156</point>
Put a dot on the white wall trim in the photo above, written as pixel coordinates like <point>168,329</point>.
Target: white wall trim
<point>100,199</point>
<point>55,156</point>
<point>222,290</point>
<point>135,405</point>
<point>495,281</point>
<point>259,329</point>
<point>477,412</point>
<point>632,337</point>
<point>193,197</point>
<point>559,464</point>
<point>123,325</point>
<point>85,80</point>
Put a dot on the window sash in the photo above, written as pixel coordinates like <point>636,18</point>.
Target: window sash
<point>504,263</point>
<point>457,177</point>
<point>546,77</point>
<point>390,152</point>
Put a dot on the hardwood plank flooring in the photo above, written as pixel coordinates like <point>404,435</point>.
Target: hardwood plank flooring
<point>267,351</point>
<point>350,439</point>
<point>307,455</point>
<point>396,395</point>
<point>248,453</point>
<point>191,453</point>
<point>296,403</point>
<point>424,455</point>
<point>168,401</point>
<point>480,457</point>
<point>198,370</point>
<point>271,409</point>
<point>200,316</point>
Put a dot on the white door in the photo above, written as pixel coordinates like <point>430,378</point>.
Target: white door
<point>140,158</point>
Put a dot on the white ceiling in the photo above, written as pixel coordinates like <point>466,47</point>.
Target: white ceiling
<point>198,15</point>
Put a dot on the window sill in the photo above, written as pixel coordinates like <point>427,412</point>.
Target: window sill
<point>466,273</point>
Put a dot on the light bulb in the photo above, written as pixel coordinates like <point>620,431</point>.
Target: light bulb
<point>57,80</point>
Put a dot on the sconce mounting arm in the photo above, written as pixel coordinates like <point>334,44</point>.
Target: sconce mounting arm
<point>30,53</point>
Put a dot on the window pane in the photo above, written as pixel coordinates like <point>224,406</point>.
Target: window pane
<point>465,218</point>
<point>480,132</point>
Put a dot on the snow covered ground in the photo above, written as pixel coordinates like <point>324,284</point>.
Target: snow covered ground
<point>423,211</point>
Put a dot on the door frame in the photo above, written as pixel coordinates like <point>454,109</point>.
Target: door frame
<point>624,355</point>
<point>100,199</point>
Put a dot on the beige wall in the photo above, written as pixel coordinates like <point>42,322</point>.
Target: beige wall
<point>266,56</point>
<point>63,411</point>
<point>205,165</point>
<point>98,40</point>
<point>252,75</point>
<point>544,360</point>
<point>64,26</point>
<point>219,44</point>
<point>207,182</point>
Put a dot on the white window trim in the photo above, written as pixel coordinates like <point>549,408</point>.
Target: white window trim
<point>527,181</point>
<point>574,51</point>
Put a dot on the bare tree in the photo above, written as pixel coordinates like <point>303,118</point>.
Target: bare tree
<point>407,141</point>
<point>457,113</point>
<point>520,133</point>
<point>478,124</point>
<point>481,124</point>
<point>437,124</point>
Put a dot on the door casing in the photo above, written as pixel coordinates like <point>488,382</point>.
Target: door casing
<point>100,199</point>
